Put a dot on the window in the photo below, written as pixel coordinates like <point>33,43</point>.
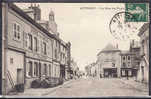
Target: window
<point>11,61</point>
<point>138,63</point>
<point>16,31</point>
<point>129,73</point>
<point>55,53</point>
<point>129,64</point>
<point>30,41</point>
<point>35,44</point>
<point>129,58</point>
<point>143,46</point>
<point>44,48</point>
<point>30,69</point>
<point>124,65</point>
<point>36,69</point>
<point>123,57</point>
<point>45,70</point>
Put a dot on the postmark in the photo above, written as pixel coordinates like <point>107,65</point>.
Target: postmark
<point>138,10</point>
<point>121,29</point>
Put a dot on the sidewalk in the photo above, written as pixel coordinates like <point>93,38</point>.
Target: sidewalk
<point>40,91</point>
<point>136,85</point>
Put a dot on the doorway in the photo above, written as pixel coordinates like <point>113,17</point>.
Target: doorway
<point>20,77</point>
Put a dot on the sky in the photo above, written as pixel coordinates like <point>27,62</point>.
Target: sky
<point>85,25</point>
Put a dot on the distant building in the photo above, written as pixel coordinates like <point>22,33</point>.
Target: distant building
<point>88,70</point>
<point>93,69</point>
<point>108,61</point>
<point>74,68</point>
<point>143,72</point>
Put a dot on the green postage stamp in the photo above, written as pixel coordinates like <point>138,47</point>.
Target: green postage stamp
<point>139,12</point>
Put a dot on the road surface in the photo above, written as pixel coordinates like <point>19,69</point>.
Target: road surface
<point>91,87</point>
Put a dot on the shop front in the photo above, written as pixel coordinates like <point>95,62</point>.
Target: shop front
<point>127,72</point>
<point>110,72</point>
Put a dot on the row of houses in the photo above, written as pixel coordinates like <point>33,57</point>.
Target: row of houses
<point>113,62</point>
<point>75,69</point>
<point>31,47</point>
<point>91,69</point>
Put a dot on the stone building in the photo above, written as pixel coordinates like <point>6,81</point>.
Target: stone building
<point>126,64</point>
<point>29,50</point>
<point>143,72</point>
<point>135,50</point>
<point>68,70</point>
<point>108,62</point>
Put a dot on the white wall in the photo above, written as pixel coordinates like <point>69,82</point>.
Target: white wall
<point>18,63</point>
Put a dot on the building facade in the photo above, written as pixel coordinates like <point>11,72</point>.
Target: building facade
<point>135,50</point>
<point>143,72</point>
<point>30,51</point>
<point>126,64</point>
<point>108,62</point>
<point>74,68</point>
<point>91,70</point>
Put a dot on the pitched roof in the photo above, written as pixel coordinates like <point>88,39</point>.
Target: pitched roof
<point>29,19</point>
<point>109,48</point>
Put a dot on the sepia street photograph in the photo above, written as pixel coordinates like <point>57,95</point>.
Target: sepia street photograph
<point>75,49</point>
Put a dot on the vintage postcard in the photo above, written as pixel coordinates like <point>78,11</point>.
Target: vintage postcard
<point>75,49</point>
